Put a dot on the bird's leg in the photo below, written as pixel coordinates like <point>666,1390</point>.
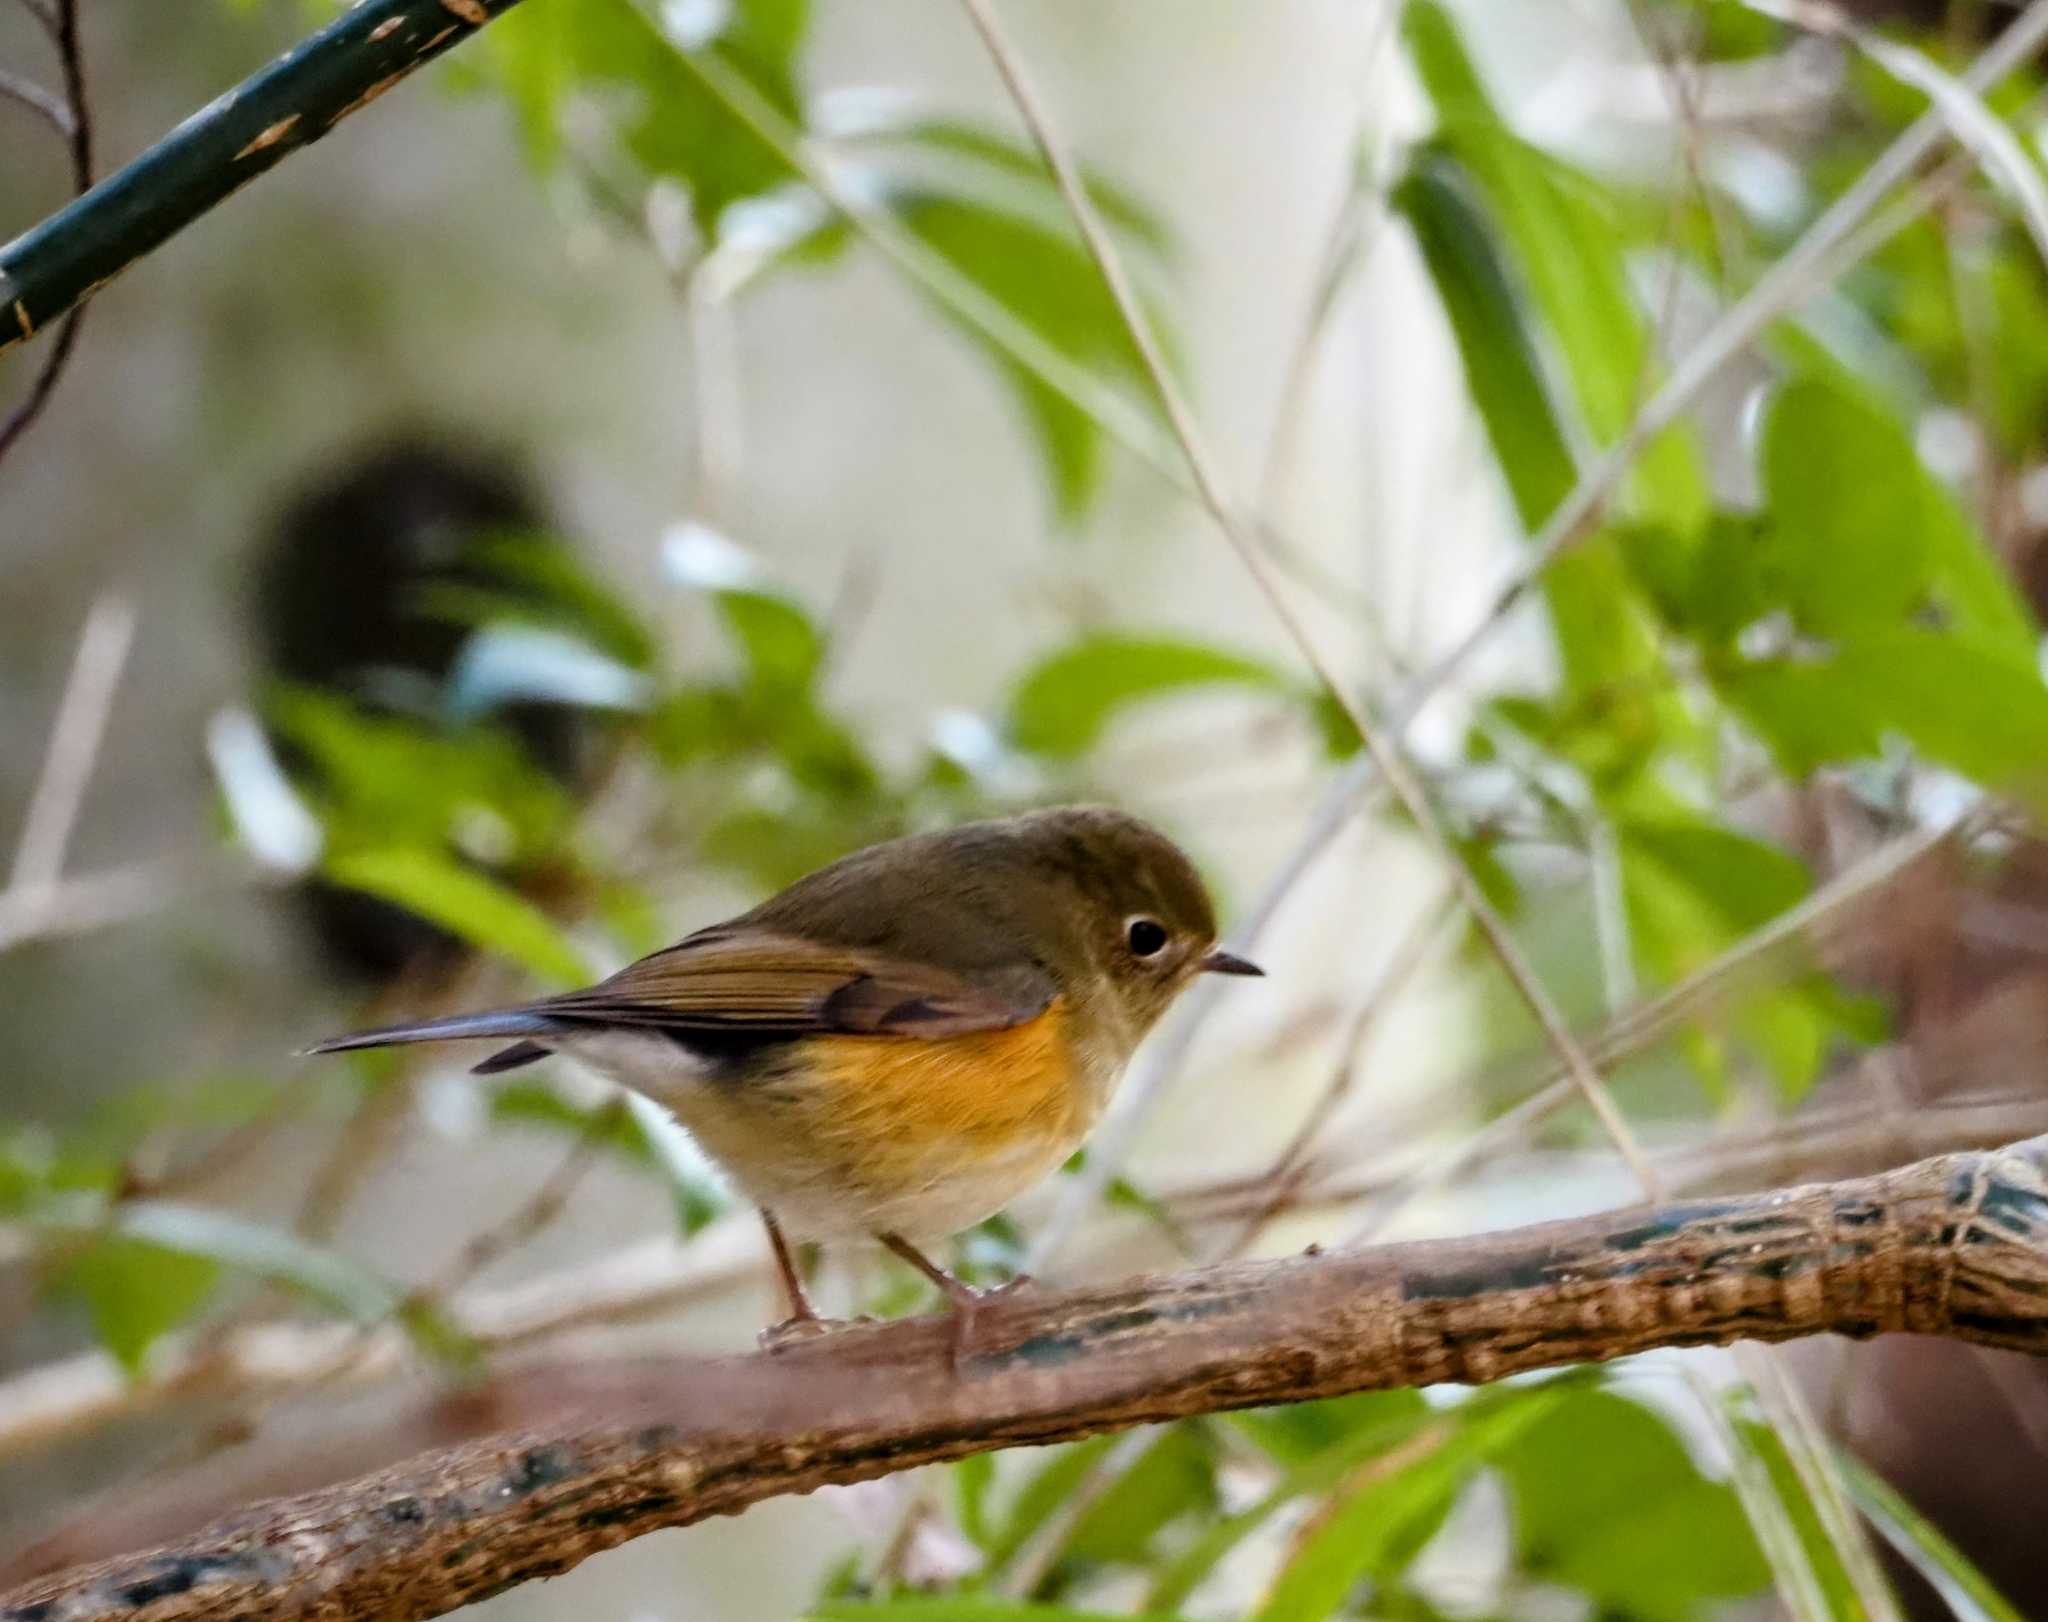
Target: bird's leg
<point>965,1299</point>
<point>803,1320</point>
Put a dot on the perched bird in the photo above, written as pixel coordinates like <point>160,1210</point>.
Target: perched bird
<point>899,1044</point>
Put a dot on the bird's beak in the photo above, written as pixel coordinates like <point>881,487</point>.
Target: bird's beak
<point>1220,962</point>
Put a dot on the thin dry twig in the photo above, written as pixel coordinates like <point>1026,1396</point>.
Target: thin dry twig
<point>1343,252</point>
<point>89,901</point>
<point>1754,956</point>
<point>537,1213</point>
<point>51,108</point>
<point>88,1392</point>
<point>74,747</point>
<point>1284,1177</point>
<point>1386,755</point>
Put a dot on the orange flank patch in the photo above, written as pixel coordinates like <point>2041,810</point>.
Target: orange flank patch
<point>989,1093</point>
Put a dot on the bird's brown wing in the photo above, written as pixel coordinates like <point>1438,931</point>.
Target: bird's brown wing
<point>747,982</point>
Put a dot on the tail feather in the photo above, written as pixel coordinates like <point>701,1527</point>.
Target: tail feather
<point>519,1053</point>
<point>496,1024</point>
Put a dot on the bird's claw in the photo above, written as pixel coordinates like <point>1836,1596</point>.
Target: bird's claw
<point>795,1331</point>
<point>1002,1292</point>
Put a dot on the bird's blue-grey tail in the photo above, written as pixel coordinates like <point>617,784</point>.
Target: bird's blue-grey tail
<point>498,1023</point>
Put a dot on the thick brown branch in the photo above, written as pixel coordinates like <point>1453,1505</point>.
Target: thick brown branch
<point>1954,1246</point>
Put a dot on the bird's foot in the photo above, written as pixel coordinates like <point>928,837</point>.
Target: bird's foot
<point>967,1303</point>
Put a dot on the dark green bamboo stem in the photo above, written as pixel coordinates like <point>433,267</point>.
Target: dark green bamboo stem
<point>293,102</point>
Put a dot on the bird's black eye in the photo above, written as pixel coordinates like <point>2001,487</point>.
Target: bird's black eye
<point>1147,936</point>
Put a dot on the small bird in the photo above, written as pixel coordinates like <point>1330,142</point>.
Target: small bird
<point>902,1042</point>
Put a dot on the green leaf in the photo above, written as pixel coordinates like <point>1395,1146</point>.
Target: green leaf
<point>1972,591</point>
<point>1499,359</point>
<point>534,1103</point>
<point>1378,1527</point>
<point>135,1292</point>
<point>465,902</point>
<point>563,592</point>
<point>636,1129</point>
<point>37,1170</point>
<point>1713,589</point>
<point>439,1337</point>
<point>1960,704</point>
<point>1318,1443</point>
<point>1743,881</point>
<point>1568,247</point>
<point>1692,890</point>
<point>1808,712</point>
<point>1297,1432</point>
<point>1065,702</point>
<point>781,644</point>
<point>1808,1541</point>
<point>381,780</point>
<point>549,57</point>
<point>1968,1593</point>
<point>1602,634</point>
<point>1175,1477</point>
<point>1044,1490</point>
<point>972,1478</point>
<point>253,1247</point>
<point>774,849</point>
<point>984,148</point>
<point>1606,1500</point>
<point>1844,494</point>
<point>1862,534</point>
<point>1041,274</point>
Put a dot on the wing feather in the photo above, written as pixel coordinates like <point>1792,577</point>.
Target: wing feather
<point>750,981</point>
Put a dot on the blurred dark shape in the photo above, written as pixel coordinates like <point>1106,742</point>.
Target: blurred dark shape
<point>336,603</point>
<point>1971,20</point>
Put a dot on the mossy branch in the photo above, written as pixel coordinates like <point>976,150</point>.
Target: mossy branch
<point>291,103</point>
<point>1954,1246</point>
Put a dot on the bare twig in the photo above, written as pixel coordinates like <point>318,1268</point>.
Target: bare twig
<point>80,1394</point>
<point>1284,1177</point>
<point>51,108</point>
<point>1385,753</point>
<point>538,1212</point>
<point>1736,969</point>
<point>1956,1246</point>
<point>1343,251</point>
<point>74,748</point>
<point>88,901</point>
<point>1807,1147</point>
